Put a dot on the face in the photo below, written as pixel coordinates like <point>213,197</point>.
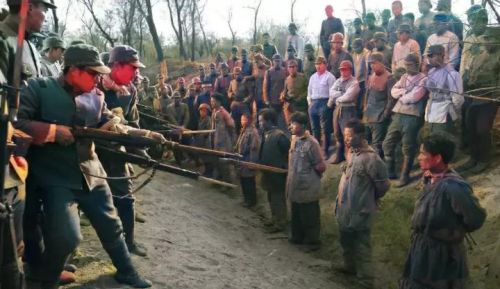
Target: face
<point>292,30</point>
<point>276,63</point>
<point>403,36</point>
<point>441,27</point>
<point>292,69</point>
<point>225,71</point>
<point>263,123</point>
<point>377,67</point>
<point>36,17</point>
<point>351,139</point>
<point>296,128</point>
<point>320,67</point>
<point>423,7</point>
<point>435,60</point>
<point>244,121</point>
<point>426,160</point>
<point>266,39</point>
<point>478,24</point>
<point>212,70</point>
<point>397,8</point>
<point>197,85</point>
<point>329,11</point>
<point>57,53</point>
<point>357,26</point>
<point>201,71</point>
<point>161,79</point>
<point>214,103</point>
<point>386,15</point>
<point>244,56</point>
<point>411,68</point>
<point>370,21</point>
<point>358,48</point>
<point>203,112</point>
<point>345,72</point>
<point>337,45</point>
<point>380,44</point>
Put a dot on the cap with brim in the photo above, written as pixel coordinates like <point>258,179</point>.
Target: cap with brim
<point>292,63</point>
<point>85,55</point>
<point>404,28</point>
<point>376,57</point>
<point>380,35</point>
<point>435,49</point>
<point>345,64</point>
<point>276,57</point>
<point>47,3</point>
<point>53,42</point>
<point>125,54</point>
<point>319,60</point>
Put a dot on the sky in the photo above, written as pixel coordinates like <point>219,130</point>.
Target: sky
<point>308,13</point>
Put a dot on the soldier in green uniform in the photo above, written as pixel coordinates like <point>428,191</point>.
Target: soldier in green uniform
<point>386,16</point>
<point>294,95</point>
<point>480,68</point>
<point>63,170</point>
<point>371,28</point>
<point>383,47</point>
<point>269,48</point>
<point>53,49</point>
<point>444,213</point>
<point>309,59</point>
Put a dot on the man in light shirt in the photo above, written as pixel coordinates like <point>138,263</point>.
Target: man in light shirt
<point>343,96</point>
<point>445,38</point>
<point>317,97</point>
<point>446,88</point>
<point>404,47</point>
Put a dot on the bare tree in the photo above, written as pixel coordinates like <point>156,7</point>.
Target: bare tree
<point>55,18</point>
<point>363,6</point>
<point>63,25</point>
<point>193,27</point>
<point>176,6</point>
<point>493,5</point>
<point>229,23</point>
<point>291,12</point>
<point>89,4</point>
<point>148,14</point>
<point>199,12</point>
<point>255,15</point>
<point>127,11</point>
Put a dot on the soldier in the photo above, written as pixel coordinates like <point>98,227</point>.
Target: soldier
<point>232,62</point>
<point>222,83</point>
<point>223,137</point>
<point>260,68</point>
<point>57,168</point>
<point>409,18</point>
<point>269,49</point>
<point>204,96</point>
<point>241,92</point>
<point>456,25</point>
<point>248,145</point>
<point>218,60</point>
<point>163,89</point>
<point>445,212</point>
<point>303,184</point>
<point>482,70</point>
<point>212,75</point>
<point>201,73</point>
<point>296,41</point>
<point>358,56</point>
<point>320,114</point>
<point>329,26</point>
<point>177,111</point>
<point>424,24</point>
<point>404,47</point>
<point>181,86</point>
<point>356,33</point>
<point>337,54</point>
<point>342,97</point>
<point>407,120</point>
<point>309,58</point>
<point>274,83</point>
<point>370,28</point>
<point>397,9</point>
<point>53,49</point>
<point>381,46</point>
<point>445,87</point>
<point>378,102</point>
<point>274,148</point>
<point>292,56</point>
<point>445,38</point>
<point>245,65</point>
<point>195,89</point>
<point>294,95</point>
<point>205,140</point>
<point>386,16</point>
<point>363,183</point>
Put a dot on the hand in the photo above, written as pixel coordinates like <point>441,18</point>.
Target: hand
<point>64,136</point>
<point>158,137</point>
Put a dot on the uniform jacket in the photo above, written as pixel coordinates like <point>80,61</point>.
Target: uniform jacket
<point>248,146</point>
<point>223,123</point>
<point>411,95</point>
<point>274,82</point>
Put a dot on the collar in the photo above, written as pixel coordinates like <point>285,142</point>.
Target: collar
<point>305,136</point>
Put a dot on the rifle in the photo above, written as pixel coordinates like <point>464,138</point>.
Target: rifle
<point>140,160</point>
<point>11,270</point>
<point>139,141</point>
<point>255,166</point>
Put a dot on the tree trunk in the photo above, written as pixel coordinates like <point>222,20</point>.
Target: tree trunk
<point>205,42</point>
<point>89,4</point>
<point>152,28</point>
<point>291,11</point>
<point>363,5</point>
<point>56,19</point>
<point>193,30</point>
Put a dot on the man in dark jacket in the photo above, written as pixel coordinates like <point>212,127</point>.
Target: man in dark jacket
<point>329,26</point>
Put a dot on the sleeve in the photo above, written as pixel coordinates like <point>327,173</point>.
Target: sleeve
<point>267,86</point>
<point>465,204</point>
<point>132,116</point>
<point>456,86</point>
<point>398,89</point>
<point>351,92</point>
<point>255,146</point>
<point>322,33</point>
<point>316,157</point>
<point>341,26</point>
<point>453,51</point>
<point>377,171</point>
<point>284,144</point>
<point>309,89</point>
<point>228,119</point>
<point>334,94</point>
<point>185,122</point>
<point>230,91</point>
<point>390,101</point>
<point>416,94</point>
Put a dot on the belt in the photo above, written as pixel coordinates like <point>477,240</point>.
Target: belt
<point>320,99</point>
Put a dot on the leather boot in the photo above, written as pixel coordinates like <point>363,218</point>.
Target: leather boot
<point>391,167</point>
<point>404,179</point>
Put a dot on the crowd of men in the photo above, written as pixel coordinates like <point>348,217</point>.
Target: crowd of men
<point>367,93</point>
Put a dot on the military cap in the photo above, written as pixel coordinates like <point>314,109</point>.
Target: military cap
<point>292,25</point>
<point>370,15</point>
<point>320,59</point>
<point>292,63</point>
<point>380,35</point>
<point>404,28</point>
<point>46,2</point>
<point>441,17</point>
<point>376,57</point>
<point>85,55</point>
<point>357,21</point>
<point>345,64</point>
<point>428,2</point>
<point>473,9</point>
<point>125,54</point>
<point>204,106</point>
<point>236,70</point>
<point>76,42</point>
<point>53,42</point>
<point>358,42</point>
<point>196,80</point>
<point>217,96</point>
<point>176,94</point>
<point>336,37</point>
<point>435,49</point>
<point>276,57</point>
<point>244,51</point>
<point>234,48</point>
<point>413,58</point>
<point>265,34</point>
<point>309,47</point>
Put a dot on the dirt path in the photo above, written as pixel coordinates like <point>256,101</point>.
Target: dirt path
<point>198,237</point>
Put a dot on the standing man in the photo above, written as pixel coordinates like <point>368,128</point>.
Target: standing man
<point>241,93</point>
<point>359,57</point>
<point>456,25</point>
<point>212,74</point>
<point>378,102</point>
<point>397,11</point>
<point>295,40</point>
<point>232,62</point>
<point>337,54</point>
<point>370,28</point>
<point>407,119</point>
<point>320,114</point>
<point>329,26</point>
<point>381,46</point>
<point>163,89</point>
<point>53,49</point>
<point>309,58</point>
<point>274,83</point>
<point>445,87</point>
<point>201,73</point>
<point>303,184</point>
<point>222,83</point>
<point>223,137</point>
<point>386,16</point>
<point>292,56</point>
<point>342,97</point>
<point>63,170</point>
<point>445,38</point>
<point>294,94</point>
<point>445,212</point>
<point>274,148</point>
<point>245,65</point>
<point>356,33</point>
<point>363,183</point>
<point>404,47</point>
<point>269,49</point>
<point>424,24</point>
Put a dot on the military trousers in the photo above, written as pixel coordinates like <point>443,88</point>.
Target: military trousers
<point>375,134</point>
<point>61,228</point>
<point>305,223</point>
<point>249,190</point>
<point>356,251</point>
<point>320,116</point>
<point>440,128</point>
<point>403,128</point>
<point>341,115</point>
<point>275,185</point>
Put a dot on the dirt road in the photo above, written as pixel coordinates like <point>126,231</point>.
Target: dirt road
<point>198,237</point>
